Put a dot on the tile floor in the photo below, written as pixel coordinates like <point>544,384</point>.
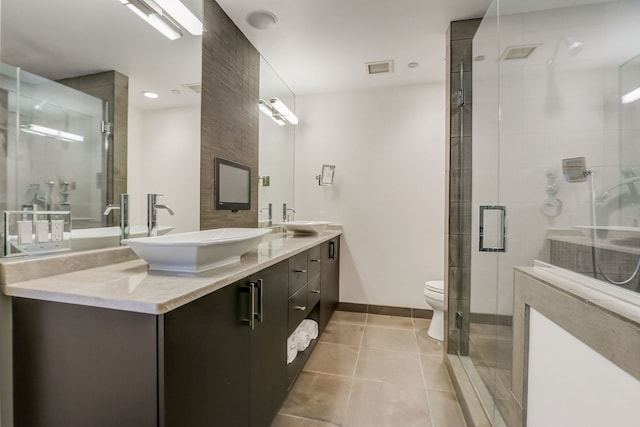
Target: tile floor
<point>372,370</point>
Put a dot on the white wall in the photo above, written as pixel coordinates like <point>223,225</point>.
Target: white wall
<point>388,146</point>
<point>570,384</point>
<point>164,158</point>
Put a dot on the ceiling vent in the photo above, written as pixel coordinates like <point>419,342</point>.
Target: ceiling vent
<point>193,87</point>
<point>518,52</point>
<point>379,67</point>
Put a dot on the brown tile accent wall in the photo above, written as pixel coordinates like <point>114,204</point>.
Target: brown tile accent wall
<point>459,41</point>
<point>230,85</point>
<point>112,87</point>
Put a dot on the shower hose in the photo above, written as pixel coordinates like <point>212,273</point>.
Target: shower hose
<point>594,236</point>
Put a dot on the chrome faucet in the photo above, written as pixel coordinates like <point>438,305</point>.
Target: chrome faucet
<point>270,213</point>
<point>285,210</point>
<point>124,214</point>
<point>152,214</point>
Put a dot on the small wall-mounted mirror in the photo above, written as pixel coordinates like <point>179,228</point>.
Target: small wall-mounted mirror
<point>232,186</point>
<point>326,178</point>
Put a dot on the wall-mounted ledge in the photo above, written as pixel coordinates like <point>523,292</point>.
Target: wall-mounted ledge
<point>606,323</point>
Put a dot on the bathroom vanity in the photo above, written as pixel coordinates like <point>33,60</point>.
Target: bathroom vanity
<point>118,345</point>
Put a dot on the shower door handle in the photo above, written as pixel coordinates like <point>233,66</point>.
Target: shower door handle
<point>493,228</point>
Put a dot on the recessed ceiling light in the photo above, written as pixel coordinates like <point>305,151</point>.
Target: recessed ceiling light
<point>151,95</point>
<point>262,19</point>
<point>412,64</point>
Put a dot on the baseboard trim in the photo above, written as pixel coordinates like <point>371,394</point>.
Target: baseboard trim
<point>418,313</point>
<point>491,319</point>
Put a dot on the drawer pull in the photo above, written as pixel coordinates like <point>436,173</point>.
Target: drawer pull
<point>315,260</point>
<point>315,291</point>
<point>300,307</point>
<point>300,271</point>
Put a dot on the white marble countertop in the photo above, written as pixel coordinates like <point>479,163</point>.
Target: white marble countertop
<point>127,285</point>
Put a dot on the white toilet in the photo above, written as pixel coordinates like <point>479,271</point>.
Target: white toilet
<point>434,294</point>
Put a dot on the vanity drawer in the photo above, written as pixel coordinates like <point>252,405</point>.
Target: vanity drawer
<point>313,261</point>
<point>298,308</point>
<point>297,272</point>
<point>313,289</point>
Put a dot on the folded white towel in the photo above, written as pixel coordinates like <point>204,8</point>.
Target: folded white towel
<point>292,348</point>
<point>303,340</point>
<point>311,326</point>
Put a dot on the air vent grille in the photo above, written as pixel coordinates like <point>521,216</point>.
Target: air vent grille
<point>379,67</point>
<point>193,87</point>
<point>518,52</point>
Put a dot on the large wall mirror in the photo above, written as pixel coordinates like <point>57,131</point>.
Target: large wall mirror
<point>80,43</point>
<point>277,144</point>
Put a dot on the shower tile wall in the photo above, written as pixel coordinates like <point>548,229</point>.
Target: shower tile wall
<point>4,127</point>
<point>230,89</point>
<point>113,87</point>
<point>459,169</point>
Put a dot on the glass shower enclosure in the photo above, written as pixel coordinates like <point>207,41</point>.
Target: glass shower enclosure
<point>53,148</point>
<point>555,165</point>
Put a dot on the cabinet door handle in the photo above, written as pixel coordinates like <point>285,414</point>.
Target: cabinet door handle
<point>332,249</point>
<point>260,313</point>
<point>316,260</point>
<point>300,307</point>
<point>315,291</point>
<point>251,321</point>
<point>300,271</point>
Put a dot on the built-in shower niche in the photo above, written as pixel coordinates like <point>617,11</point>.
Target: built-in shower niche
<point>54,150</point>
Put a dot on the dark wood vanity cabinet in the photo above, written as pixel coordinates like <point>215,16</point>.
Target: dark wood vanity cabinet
<point>329,281</point>
<point>219,360</point>
<point>221,365</point>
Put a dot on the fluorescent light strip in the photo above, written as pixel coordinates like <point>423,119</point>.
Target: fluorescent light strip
<point>51,133</point>
<point>182,15</point>
<point>154,20</point>
<point>266,109</point>
<point>632,96</point>
<point>284,111</point>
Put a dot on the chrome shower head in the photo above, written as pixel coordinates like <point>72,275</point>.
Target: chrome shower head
<point>574,47</point>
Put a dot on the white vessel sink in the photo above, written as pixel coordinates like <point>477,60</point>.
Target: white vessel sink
<point>83,239</point>
<point>196,251</point>
<point>305,227</point>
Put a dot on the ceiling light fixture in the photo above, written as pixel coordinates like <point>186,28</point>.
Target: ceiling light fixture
<point>151,95</point>
<point>183,16</point>
<point>269,111</point>
<point>153,15</point>
<point>51,133</point>
<point>283,110</point>
<point>261,19</point>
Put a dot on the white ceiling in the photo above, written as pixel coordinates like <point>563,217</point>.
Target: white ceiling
<point>317,45</point>
<point>322,45</point>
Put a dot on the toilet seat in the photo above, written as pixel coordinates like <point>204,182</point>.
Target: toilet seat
<point>436,286</point>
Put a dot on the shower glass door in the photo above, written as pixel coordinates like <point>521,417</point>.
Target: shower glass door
<point>551,82</point>
<point>53,148</point>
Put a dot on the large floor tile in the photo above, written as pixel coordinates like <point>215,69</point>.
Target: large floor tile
<point>427,345</point>
<point>349,317</point>
<point>389,366</point>
<point>445,409</point>
<point>282,420</point>
<point>421,324</point>
<point>319,397</point>
<point>389,321</point>
<point>343,333</point>
<point>435,373</point>
<point>374,403</point>
<point>329,358</point>
<point>390,339</point>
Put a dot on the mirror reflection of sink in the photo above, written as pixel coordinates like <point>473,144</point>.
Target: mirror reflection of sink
<point>196,251</point>
<point>83,239</point>
<point>305,227</point>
